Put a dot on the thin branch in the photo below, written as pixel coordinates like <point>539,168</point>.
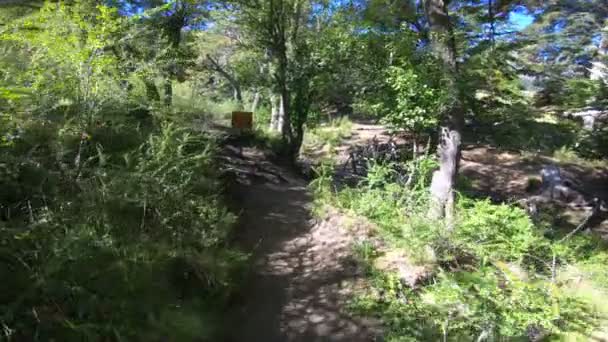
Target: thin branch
<point>585,221</point>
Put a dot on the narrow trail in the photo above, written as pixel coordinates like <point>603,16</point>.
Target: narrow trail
<point>302,270</point>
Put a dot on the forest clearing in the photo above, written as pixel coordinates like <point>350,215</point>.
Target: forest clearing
<point>290,170</point>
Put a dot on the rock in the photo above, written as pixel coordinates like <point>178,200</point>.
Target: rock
<point>589,116</point>
<point>410,274</point>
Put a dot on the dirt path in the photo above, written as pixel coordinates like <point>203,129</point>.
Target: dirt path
<point>302,270</point>
<point>362,134</point>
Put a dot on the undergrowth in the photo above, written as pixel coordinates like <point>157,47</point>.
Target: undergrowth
<point>496,276</point>
<point>326,137</point>
<point>110,232</point>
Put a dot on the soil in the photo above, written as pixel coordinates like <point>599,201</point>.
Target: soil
<point>302,268</point>
<point>499,174</point>
<point>502,175</point>
<point>506,174</point>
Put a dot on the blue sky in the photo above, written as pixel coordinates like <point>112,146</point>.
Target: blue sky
<point>520,19</point>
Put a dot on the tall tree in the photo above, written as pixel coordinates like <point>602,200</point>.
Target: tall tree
<point>164,24</point>
<point>562,44</point>
<point>443,45</point>
<point>279,30</point>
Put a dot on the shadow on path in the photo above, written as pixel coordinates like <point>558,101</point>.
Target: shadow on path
<point>302,271</point>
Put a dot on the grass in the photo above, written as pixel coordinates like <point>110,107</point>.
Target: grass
<point>324,138</point>
<point>319,141</point>
<point>569,156</point>
<point>131,246</point>
<point>187,100</point>
<point>492,274</point>
<point>588,280</point>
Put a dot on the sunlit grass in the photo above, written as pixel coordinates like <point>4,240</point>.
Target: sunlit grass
<point>568,155</point>
<point>326,137</point>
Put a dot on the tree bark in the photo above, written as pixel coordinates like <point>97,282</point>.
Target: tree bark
<point>279,120</point>
<point>492,22</point>
<point>442,37</point>
<point>603,48</point>
<point>284,119</point>
<point>284,124</point>
<point>442,184</point>
<point>274,112</point>
<point>444,47</point>
<point>236,87</point>
<point>256,101</point>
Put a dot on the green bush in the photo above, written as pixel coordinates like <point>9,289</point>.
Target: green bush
<point>492,273</point>
<point>580,92</point>
<point>112,222</point>
<point>495,303</point>
<point>495,232</point>
<point>331,133</point>
<point>531,135</point>
<point>417,104</point>
<point>130,249</point>
<point>593,144</point>
<point>261,118</point>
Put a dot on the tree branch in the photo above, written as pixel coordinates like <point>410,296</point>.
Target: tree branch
<point>214,65</point>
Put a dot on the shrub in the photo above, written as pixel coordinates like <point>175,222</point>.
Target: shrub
<point>129,249</point>
<point>331,133</point>
<point>496,304</point>
<point>593,144</point>
<point>493,271</point>
<point>580,92</point>
<point>417,106</point>
<point>261,118</point>
<point>496,232</point>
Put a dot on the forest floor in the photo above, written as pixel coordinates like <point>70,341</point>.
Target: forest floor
<point>302,270</point>
<point>499,174</point>
<point>506,176</point>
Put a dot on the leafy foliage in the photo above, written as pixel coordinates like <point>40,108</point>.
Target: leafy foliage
<point>417,103</point>
<point>151,219</point>
<point>496,232</point>
<point>111,225</point>
<point>492,273</point>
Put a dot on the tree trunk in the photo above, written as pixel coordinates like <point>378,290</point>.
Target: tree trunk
<point>283,124</point>
<point>492,22</point>
<point>599,68</point>
<point>442,35</point>
<point>236,87</point>
<point>279,121</point>
<point>301,107</point>
<point>236,92</point>
<point>603,48</point>
<point>274,112</point>
<point>256,101</point>
<point>442,184</point>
